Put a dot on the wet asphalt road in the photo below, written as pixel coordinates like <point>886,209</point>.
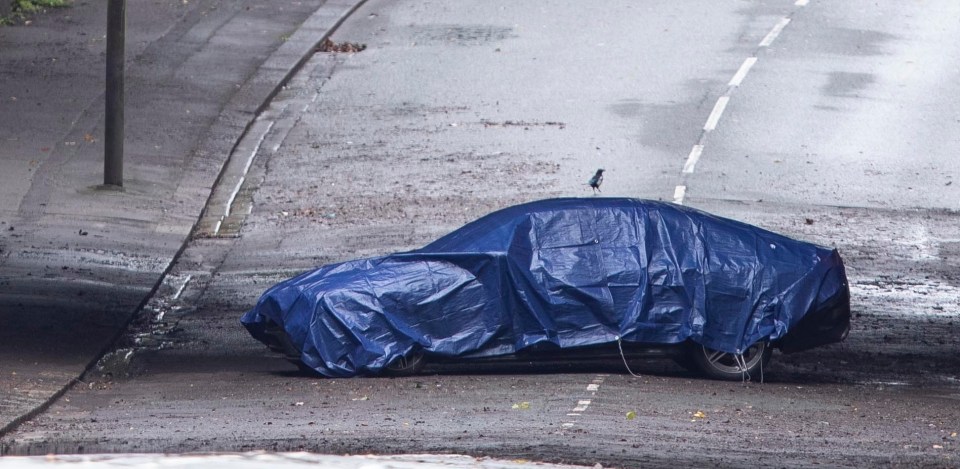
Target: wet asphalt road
<point>834,135</point>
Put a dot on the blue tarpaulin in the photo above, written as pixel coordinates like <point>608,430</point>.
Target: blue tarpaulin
<point>571,272</point>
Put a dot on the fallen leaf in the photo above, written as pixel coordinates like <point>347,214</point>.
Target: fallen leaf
<point>631,415</point>
<point>521,405</point>
<point>700,415</point>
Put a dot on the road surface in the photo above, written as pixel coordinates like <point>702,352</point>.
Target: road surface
<point>830,122</point>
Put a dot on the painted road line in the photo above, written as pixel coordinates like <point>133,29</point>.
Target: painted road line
<point>246,169</point>
<point>714,118</point>
<point>689,165</point>
<point>678,194</point>
<point>772,35</point>
<point>240,172</point>
<point>183,287</point>
<point>692,159</point>
<point>582,406</point>
<point>742,72</point>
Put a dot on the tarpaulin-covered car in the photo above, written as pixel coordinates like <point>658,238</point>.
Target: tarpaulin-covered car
<point>571,274</point>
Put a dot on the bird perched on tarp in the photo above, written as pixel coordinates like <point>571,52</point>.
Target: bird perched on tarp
<point>596,180</point>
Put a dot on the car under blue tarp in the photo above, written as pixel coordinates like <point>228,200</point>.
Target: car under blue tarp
<point>572,272</point>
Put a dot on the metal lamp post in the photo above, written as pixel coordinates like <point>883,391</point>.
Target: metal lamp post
<point>113,127</point>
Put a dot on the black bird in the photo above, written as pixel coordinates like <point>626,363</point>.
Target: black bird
<point>596,180</point>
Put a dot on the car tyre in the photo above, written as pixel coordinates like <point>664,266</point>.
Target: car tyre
<point>407,365</point>
<point>730,367</point>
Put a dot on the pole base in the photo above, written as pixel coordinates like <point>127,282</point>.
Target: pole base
<point>109,188</point>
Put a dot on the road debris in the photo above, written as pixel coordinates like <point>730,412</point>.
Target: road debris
<point>349,47</point>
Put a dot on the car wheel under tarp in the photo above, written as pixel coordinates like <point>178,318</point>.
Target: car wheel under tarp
<point>407,365</point>
<point>729,366</point>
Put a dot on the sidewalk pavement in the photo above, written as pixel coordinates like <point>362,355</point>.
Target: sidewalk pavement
<point>78,261</point>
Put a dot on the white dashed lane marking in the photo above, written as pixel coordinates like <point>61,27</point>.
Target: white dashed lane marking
<point>772,35</point>
<point>742,71</point>
<point>678,194</point>
<point>717,112</point>
<point>713,120</point>
<point>584,404</point>
<point>581,406</point>
<point>692,158</point>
